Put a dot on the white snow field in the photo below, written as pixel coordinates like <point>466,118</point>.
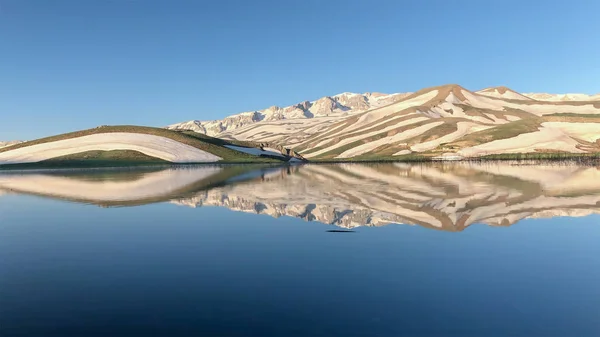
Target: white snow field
<point>255,151</point>
<point>585,131</point>
<point>154,146</point>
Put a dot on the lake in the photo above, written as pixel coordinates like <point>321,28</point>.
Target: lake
<point>439,249</point>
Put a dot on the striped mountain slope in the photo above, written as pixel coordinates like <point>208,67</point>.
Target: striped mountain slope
<point>442,121</point>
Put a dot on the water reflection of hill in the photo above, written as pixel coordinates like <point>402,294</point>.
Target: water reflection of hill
<point>448,196</point>
<point>114,188</point>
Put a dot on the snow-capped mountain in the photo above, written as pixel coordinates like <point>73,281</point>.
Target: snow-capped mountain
<point>338,105</point>
<point>562,97</point>
<point>506,93</point>
<point>442,120</point>
<point>435,121</point>
<point>9,143</point>
<point>503,92</point>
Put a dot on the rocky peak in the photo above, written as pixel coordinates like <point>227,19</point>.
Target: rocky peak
<point>273,113</point>
<point>374,94</point>
<point>194,125</point>
<point>304,105</point>
<point>325,106</point>
<point>353,101</point>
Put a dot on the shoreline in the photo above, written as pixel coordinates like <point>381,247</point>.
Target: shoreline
<point>550,157</point>
<point>554,158</point>
<point>41,168</point>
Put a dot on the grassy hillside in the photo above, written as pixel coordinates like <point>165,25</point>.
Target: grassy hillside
<point>129,158</point>
<point>503,131</point>
<point>116,158</point>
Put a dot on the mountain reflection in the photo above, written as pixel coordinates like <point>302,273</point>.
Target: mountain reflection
<point>446,196</point>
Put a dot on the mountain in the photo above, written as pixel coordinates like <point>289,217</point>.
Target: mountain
<point>446,121</point>
<point>9,143</point>
<point>503,92</point>
<point>442,196</point>
<point>452,119</point>
<point>562,97</point>
<point>135,145</point>
<point>339,105</point>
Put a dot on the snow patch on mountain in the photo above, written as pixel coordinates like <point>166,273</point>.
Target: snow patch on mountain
<point>255,151</point>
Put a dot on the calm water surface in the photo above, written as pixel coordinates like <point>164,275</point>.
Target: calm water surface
<point>314,250</point>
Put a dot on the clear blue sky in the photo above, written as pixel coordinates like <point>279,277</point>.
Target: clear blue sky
<point>69,65</point>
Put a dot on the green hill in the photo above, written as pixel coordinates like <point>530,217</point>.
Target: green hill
<point>130,154</point>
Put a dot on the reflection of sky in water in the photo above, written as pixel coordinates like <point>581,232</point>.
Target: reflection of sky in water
<point>75,269</point>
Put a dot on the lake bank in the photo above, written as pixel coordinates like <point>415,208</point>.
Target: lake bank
<point>587,159</point>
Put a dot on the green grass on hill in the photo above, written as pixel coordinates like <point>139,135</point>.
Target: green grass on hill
<point>375,158</point>
<point>219,141</point>
<point>89,159</point>
<point>199,141</point>
<point>553,156</point>
<point>503,131</point>
<point>572,118</point>
<point>569,114</point>
<point>428,157</point>
<point>114,155</point>
<point>434,133</point>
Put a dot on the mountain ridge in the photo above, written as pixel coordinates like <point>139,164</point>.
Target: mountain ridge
<point>563,97</point>
<point>441,120</point>
<point>351,103</point>
<point>340,104</point>
<point>9,143</point>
